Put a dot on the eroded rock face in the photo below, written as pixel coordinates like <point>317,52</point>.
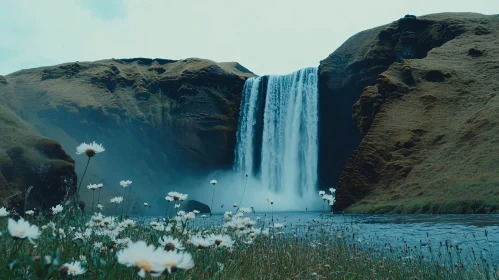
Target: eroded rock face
<point>30,163</point>
<point>429,129</point>
<point>160,120</point>
<point>357,64</point>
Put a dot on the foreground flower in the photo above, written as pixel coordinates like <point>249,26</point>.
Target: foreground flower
<point>57,209</point>
<point>145,257</point>
<point>178,196</point>
<point>89,149</point>
<point>117,199</point>
<point>221,240</point>
<point>22,229</point>
<point>213,182</point>
<point>171,243</point>
<point>125,183</point>
<point>173,260</point>
<point>74,268</point>
<point>3,212</point>
<point>200,242</point>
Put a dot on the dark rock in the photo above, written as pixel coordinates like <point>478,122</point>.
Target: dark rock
<point>192,205</point>
<point>435,76</point>
<point>481,30</point>
<point>3,80</point>
<point>474,52</point>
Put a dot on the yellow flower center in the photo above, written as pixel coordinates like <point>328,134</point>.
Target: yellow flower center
<point>72,270</point>
<point>20,231</point>
<point>144,264</point>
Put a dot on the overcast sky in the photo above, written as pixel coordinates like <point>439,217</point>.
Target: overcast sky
<point>266,36</point>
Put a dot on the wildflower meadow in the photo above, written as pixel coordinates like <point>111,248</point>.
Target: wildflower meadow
<point>64,243</point>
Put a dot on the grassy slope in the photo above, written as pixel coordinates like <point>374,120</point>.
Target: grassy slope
<point>437,144</point>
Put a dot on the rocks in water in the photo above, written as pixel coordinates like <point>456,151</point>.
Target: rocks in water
<point>192,205</point>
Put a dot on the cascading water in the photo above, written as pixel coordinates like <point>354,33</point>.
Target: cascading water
<point>281,153</point>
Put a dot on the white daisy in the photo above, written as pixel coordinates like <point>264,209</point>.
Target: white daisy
<point>169,198</point>
<point>22,229</point>
<point>170,243</point>
<point>145,257</point>
<point>321,193</point>
<point>117,199</point>
<point>100,206</point>
<point>178,196</point>
<point>221,240</point>
<point>173,260</point>
<point>125,183</point>
<point>196,212</point>
<point>332,190</point>
<point>200,242</point>
<point>93,187</point>
<point>146,204</point>
<point>176,206</point>
<point>3,212</point>
<point>89,149</point>
<point>213,182</point>
<point>57,209</point>
<point>30,212</point>
<point>74,268</point>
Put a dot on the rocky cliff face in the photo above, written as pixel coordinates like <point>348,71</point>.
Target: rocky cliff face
<point>158,119</point>
<point>426,115</point>
<point>31,166</point>
<point>357,64</point>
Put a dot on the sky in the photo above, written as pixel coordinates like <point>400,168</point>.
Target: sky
<point>265,36</point>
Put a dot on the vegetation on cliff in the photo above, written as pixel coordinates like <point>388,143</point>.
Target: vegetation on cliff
<point>428,121</point>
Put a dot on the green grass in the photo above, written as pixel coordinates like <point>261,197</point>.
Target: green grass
<point>319,250</point>
<point>470,198</point>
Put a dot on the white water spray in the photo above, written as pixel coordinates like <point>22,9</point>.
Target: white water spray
<point>284,167</point>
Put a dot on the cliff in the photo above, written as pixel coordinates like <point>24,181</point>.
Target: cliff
<point>31,166</point>
<point>426,92</point>
<point>158,119</point>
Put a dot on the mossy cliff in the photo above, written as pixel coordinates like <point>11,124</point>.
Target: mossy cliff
<point>31,166</point>
<point>425,106</point>
<point>159,120</point>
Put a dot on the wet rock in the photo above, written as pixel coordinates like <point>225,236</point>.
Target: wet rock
<point>192,205</point>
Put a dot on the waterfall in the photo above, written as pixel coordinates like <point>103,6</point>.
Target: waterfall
<point>284,159</point>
